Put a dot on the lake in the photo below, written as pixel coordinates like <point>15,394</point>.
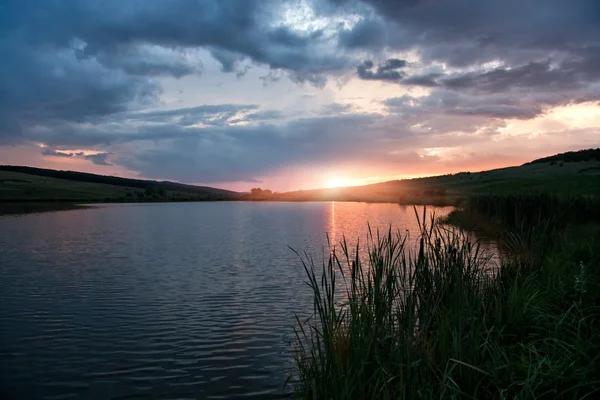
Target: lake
<point>179,300</point>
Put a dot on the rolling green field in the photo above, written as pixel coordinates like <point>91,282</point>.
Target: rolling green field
<point>49,190</point>
<point>47,184</point>
<point>569,178</point>
<point>16,186</point>
<point>573,173</point>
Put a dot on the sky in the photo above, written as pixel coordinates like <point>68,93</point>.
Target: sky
<point>295,94</point>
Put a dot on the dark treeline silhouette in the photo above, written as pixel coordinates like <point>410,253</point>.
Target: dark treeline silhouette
<point>571,156</point>
<point>258,194</point>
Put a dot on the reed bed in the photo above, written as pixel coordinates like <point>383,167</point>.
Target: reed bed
<point>433,321</point>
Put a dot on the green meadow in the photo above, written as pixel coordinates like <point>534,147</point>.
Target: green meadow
<point>24,190</point>
<point>573,173</point>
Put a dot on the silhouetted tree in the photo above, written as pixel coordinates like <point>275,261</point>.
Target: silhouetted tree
<point>260,194</point>
<point>571,156</point>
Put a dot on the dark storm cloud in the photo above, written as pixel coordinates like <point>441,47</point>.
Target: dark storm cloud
<point>82,74</point>
<point>38,86</point>
<point>572,81</point>
<point>540,43</point>
<point>546,52</point>
<point>99,158</point>
<point>540,48</point>
<point>70,135</point>
<point>426,80</point>
<point>53,153</point>
<point>230,61</point>
<point>121,128</point>
<point>388,71</point>
<point>367,34</point>
<point>453,103</point>
<point>246,152</point>
<point>537,75</point>
<point>443,26</point>
<point>146,62</point>
<point>392,64</point>
<point>76,60</point>
<point>248,28</point>
<point>243,153</point>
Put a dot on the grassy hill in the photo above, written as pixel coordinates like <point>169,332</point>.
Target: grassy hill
<point>575,173</point>
<point>26,184</point>
<point>571,156</point>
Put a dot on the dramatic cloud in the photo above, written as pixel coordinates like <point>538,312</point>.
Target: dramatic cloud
<point>99,158</point>
<point>248,28</point>
<point>149,61</point>
<point>38,88</point>
<point>466,31</point>
<point>267,115</point>
<point>243,153</point>
<point>569,75</point>
<point>217,91</point>
<point>367,34</point>
<point>548,44</point>
<point>53,153</point>
<point>78,59</point>
<point>450,103</point>
<point>211,114</point>
<point>389,71</point>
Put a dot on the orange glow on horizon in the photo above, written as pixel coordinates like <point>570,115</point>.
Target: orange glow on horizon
<point>336,182</point>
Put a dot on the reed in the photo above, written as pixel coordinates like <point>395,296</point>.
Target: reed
<point>433,320</point>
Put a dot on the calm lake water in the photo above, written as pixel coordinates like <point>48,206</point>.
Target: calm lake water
<point>187,300</point>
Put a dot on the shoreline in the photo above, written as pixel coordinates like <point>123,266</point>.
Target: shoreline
<point>23,207</point>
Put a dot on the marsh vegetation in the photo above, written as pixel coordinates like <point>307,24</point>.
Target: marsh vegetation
<point>441,322</point>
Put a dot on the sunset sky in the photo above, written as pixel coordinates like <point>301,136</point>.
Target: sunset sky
<point>295,94</point>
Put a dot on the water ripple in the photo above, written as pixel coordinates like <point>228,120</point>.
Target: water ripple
<point>162,301</point>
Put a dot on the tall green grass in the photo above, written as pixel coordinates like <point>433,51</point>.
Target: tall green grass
<point>434,321</point>
<point>531,210</point>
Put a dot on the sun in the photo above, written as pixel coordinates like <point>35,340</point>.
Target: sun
<point>336,182</point>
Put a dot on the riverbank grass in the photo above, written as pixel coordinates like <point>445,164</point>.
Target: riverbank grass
<point>436,321</point>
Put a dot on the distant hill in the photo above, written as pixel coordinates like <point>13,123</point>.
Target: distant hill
<point>571,156</point>
<point>575,172</point>
<point>19,183</point>
<point>568,173</point>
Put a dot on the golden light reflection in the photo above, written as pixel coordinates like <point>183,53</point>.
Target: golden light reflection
<point>332,226</point>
